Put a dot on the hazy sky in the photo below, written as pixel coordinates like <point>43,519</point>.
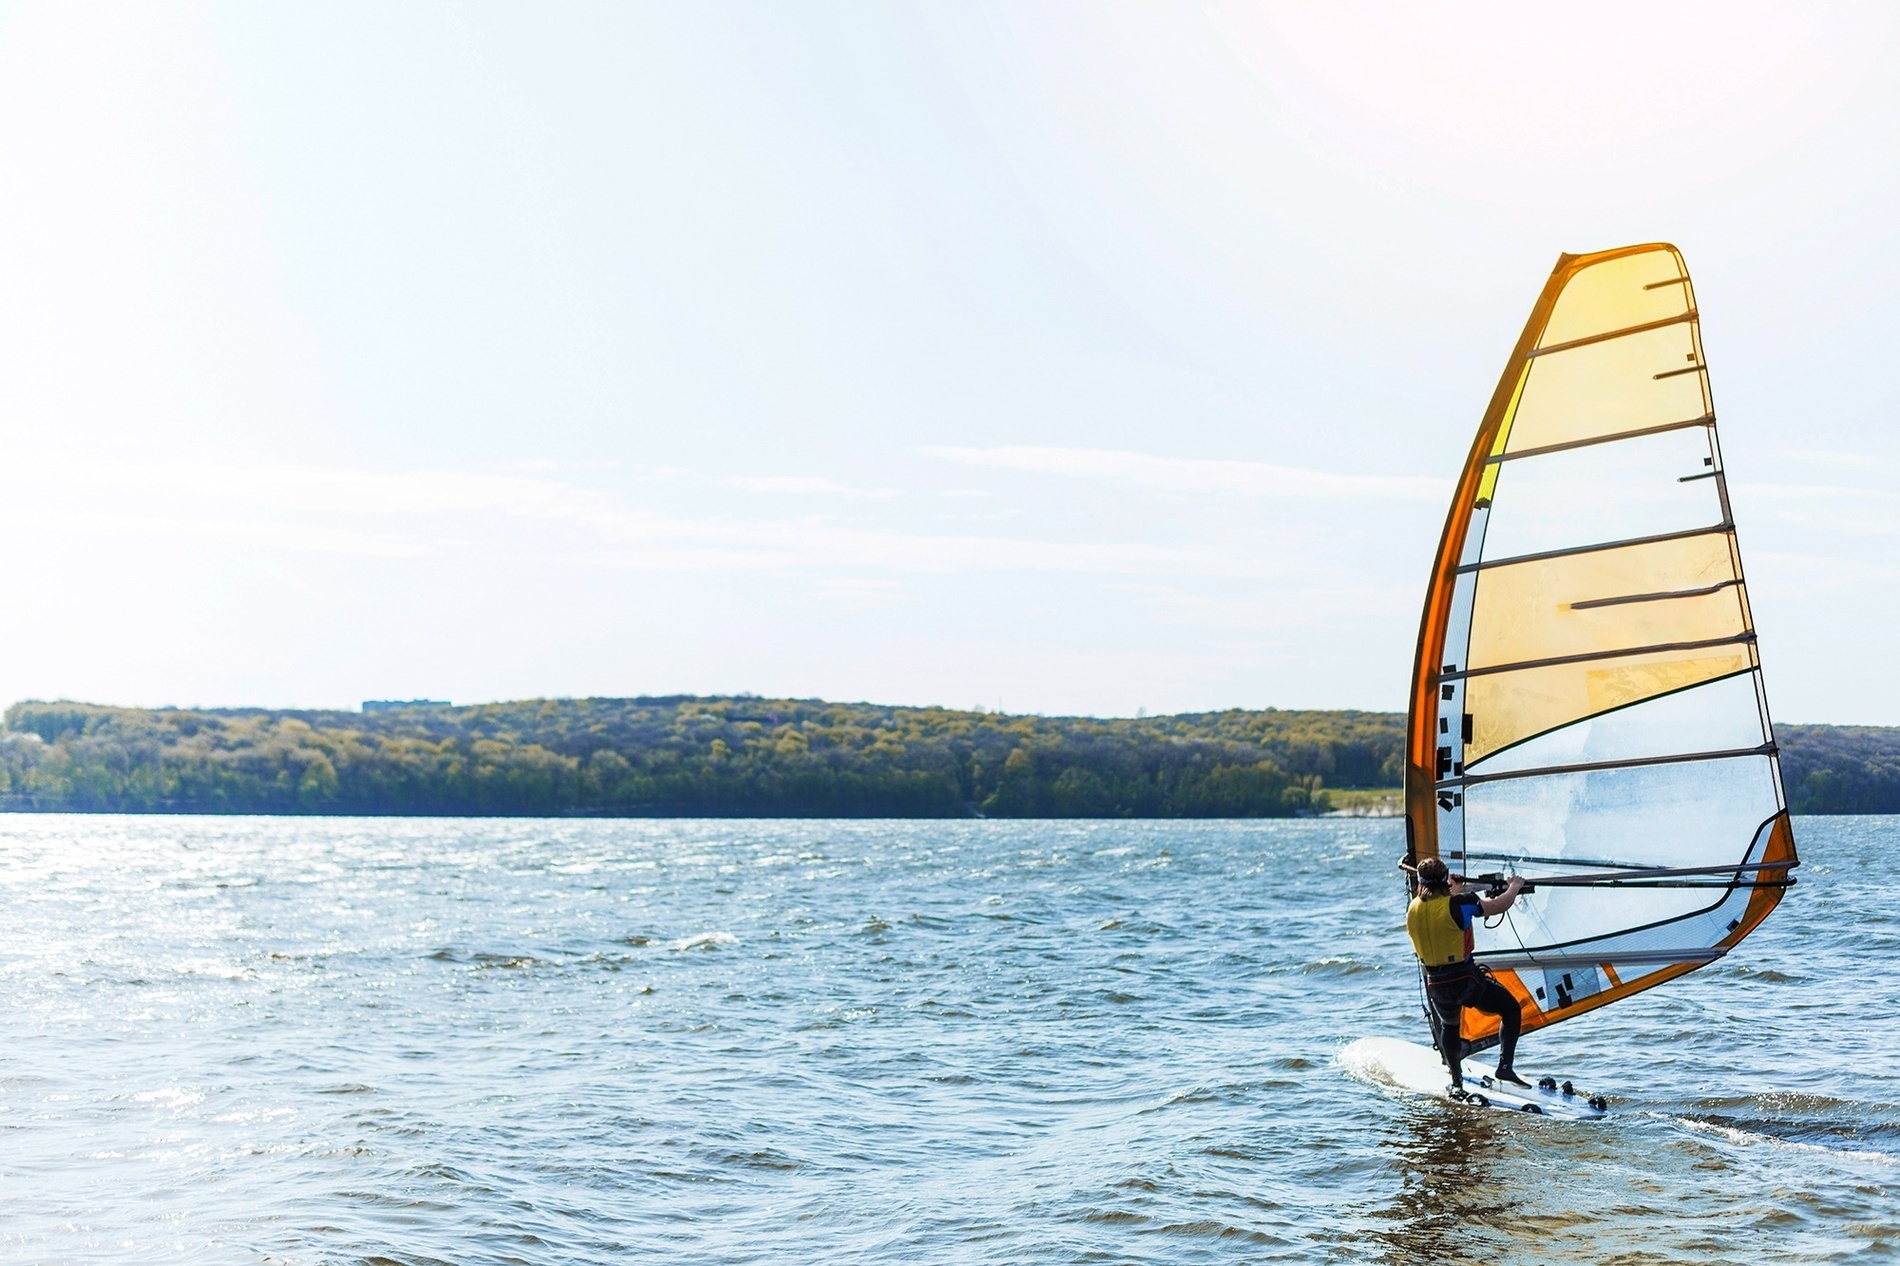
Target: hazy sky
<point>1058,357</point>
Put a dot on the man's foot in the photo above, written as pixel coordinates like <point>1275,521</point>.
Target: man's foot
<point>1505,1074</point>
<point>1457,1092</point>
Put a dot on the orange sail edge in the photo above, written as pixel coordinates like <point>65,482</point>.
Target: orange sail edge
<point>1478,1027</point>
<point>1780,853</point>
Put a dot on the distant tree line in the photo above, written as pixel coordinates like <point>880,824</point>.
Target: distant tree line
<point>688,756</point>
<point>684,756</point>
<point>1840,768</point>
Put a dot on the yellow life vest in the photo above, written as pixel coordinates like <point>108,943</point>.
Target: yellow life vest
<point>1436,937</point>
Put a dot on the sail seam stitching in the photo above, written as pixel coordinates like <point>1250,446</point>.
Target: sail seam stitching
<point>1634,703</point>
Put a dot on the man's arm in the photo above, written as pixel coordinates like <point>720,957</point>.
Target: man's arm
<point>1502,902</point>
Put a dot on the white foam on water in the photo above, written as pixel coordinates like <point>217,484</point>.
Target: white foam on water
<point>1393,1065</point>
<point>1361,1061</point>
<point>705,940</point>
<point>1752,1138</point>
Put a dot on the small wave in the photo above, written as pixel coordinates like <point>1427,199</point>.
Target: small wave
<point>1206,1228</point>
<point>481,961</point>
<point>167,1096</point>
<point>1214,1229</point>
<point>210,967</point>
<point>763,1159</point>
<point>1766,975</point>
<point>1116,1217</point>
<point>1228,1093</point>
<point>1752,1138</point>
<point>704,940</point>
<point>1338,967</point>
<point>1786,1102</point>
<point>945,1010</point>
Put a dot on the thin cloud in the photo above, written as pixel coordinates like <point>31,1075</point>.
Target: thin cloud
<point>1177,474</point>
<point>803,486</point>
<point>1800,573</point>
<point>315,538</point>
<point>1839,459</point>
<point>1845,510</point>
<point>319,509</point>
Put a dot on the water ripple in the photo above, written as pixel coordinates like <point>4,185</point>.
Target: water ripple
<point>363,1040</point>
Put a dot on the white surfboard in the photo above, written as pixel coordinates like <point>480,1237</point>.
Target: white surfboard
<point>1392,1064</point>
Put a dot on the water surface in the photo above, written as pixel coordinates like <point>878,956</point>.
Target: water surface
<point>345,1040</point>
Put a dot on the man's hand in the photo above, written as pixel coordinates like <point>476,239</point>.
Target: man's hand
<point>1502,902</point>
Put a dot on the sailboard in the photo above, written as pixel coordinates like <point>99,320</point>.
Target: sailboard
<point>1587,707</point>
<point>1411,1069</point>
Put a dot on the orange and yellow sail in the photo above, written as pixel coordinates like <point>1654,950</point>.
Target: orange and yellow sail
<point>1587,706</point>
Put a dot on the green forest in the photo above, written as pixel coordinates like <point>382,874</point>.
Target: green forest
<point>685,756</point>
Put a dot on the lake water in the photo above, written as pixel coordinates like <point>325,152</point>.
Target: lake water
<point>347,1040</point>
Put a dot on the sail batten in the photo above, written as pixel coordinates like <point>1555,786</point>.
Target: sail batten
<point>1624,958</point>
<point>1644,328</point>
<point>1655,539</point>
<point>1583,657</point>
<point>1632,762</point>
<point>1587,683</point>
<point>1707,419</point>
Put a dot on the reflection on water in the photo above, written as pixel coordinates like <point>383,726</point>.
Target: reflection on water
<point>1445,1161</point>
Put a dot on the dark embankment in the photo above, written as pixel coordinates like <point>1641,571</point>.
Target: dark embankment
<point>682,756</point>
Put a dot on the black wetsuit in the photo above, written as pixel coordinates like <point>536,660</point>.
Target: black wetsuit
<point>1452,989</point>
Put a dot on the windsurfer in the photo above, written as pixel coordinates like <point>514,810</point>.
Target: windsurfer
<point>1439,922</point>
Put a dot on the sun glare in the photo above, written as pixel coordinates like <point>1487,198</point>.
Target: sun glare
<point>1542,105</point>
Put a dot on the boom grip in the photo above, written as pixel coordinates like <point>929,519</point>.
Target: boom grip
<point>1494,883</point>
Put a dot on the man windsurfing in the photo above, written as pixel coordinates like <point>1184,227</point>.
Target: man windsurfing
<point>1439,923</point>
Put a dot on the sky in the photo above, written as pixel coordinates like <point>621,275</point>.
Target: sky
<point>1071,358</point>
